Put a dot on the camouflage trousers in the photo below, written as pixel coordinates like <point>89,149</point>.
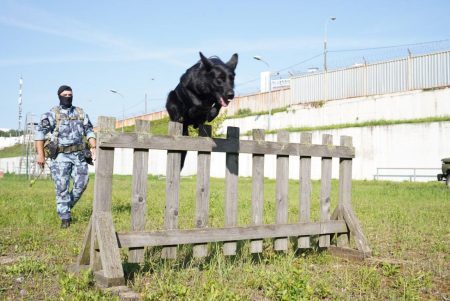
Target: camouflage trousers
<point>63,168</point>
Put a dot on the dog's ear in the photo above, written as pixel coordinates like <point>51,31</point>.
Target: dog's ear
<point>232,63</point>
<point>207,63</point>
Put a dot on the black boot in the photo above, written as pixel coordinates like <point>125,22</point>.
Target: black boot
<point>65,223</point>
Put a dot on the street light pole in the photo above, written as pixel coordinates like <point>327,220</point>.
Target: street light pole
<point>259,58</point>
<point>123,105</point>
<point>151,79</point>
<point>325,43</point>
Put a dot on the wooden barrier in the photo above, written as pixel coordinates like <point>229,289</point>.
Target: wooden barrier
<point>100,250</point>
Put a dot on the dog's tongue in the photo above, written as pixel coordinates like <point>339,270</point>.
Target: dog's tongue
<point>223,103</point>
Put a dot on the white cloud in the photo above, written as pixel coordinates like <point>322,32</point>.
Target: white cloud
<point>40,21</point>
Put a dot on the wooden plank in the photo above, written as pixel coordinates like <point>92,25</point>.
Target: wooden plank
<point>231,188</point>
<point>345,187</point>
<point>336,213</point>
<point>104,166</point>
<point>172,188</point>
<point>325,191</point>
<point>356,230</point>
<point>95,263</point>
<point>256,246</point>
<point>347,253</point>
<point>103,181</point>
<point>104,282</point>
<point>282,186</point>
<point>124,293</point>
<point>203,183</point>
<point>305,190</point>
<point>204,144</point>
<point>139,189</point>
<point>109,249</point>
<point>206,235</point>
<point>84,256</point>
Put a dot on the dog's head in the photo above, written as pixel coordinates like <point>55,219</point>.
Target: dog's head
<point>214,80</point>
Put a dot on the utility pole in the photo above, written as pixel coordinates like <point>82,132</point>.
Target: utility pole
<point>259,58</point>
<point>325,67</point>
<point>20,104</point>
<point>145,103</point>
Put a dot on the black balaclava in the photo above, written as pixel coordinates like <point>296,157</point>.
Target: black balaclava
<point>65,102</point>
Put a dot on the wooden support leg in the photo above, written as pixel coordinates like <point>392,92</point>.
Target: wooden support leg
<point>342,239</point>
<point>84,257</point>
<point>356,230</point>
<point>112,271</point>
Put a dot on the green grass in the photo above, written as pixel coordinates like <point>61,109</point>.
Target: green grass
<point>159,127</point>
<point>11,151</point>
<point>370,123</point>
<point>246,113</point>
<point>406,224</point>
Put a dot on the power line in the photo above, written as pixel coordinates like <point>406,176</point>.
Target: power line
<point>390,47</point>
<point>281,70</point>
<point>247,82</point>
<point>302,62</point>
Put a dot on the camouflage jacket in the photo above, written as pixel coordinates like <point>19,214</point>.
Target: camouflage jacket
<point>74,124</point>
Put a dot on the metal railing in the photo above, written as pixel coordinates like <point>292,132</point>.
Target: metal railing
<point>406,172</point>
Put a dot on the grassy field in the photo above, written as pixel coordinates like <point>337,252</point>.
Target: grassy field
<point>11,151</point>
<point>407,226</point>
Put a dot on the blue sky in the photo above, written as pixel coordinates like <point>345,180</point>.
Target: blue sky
<point>143,47</point>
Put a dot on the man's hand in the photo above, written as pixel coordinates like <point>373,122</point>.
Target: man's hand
<point>93,144</point>
<point>40,159</point>
<point>93,152</point>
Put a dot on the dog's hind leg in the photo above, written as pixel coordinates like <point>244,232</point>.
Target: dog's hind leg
<point>174,107</point>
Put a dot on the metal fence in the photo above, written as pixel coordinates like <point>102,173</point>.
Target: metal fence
<point>409,73</point>
<point>404,173</point>
<point>260,102</point>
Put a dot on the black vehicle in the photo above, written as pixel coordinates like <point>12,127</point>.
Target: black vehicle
<point>445,175</point>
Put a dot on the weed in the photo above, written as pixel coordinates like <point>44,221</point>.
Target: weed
<point>243,112</point>
<point>411,286</point>
<point>390,270</point>
<point>27,266</point>
<point>81,287</point>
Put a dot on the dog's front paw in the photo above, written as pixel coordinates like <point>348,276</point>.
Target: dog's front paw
<point>213,113</point>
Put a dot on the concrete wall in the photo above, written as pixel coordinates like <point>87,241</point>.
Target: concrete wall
<point>10,165</point>
<point>407,105</point>
<point>10,141</point>
<point>395,146</point>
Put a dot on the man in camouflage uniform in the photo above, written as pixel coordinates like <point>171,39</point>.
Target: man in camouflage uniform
<point>68,128</point>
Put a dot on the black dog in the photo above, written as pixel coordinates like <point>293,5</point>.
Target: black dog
<point>203,90</point>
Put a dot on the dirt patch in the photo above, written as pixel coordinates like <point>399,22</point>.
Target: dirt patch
<point>7,260</point>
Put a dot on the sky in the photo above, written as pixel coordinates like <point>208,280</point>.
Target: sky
<point>141,48</point>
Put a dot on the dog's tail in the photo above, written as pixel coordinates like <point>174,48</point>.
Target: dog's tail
<point>184,153</point>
